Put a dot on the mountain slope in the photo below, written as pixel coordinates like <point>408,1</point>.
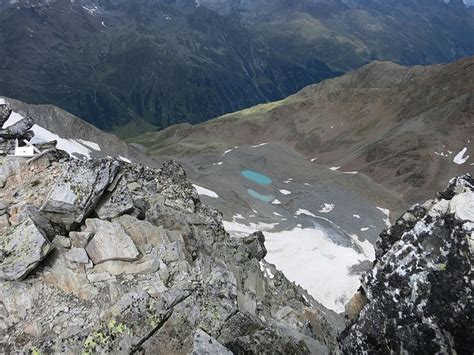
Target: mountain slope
<point>134,66</point>
<point>405,127</point>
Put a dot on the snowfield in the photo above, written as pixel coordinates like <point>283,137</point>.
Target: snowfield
<point>309,258</point>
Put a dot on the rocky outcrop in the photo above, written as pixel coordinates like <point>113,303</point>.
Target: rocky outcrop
<point>420,291</point>
<point>108,257</point>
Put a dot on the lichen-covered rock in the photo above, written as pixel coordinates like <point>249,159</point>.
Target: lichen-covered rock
<point>420,289</point>
<point>22,247</point>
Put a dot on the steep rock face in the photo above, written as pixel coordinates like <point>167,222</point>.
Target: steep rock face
<point>161,275</point>
<point>420,291</point>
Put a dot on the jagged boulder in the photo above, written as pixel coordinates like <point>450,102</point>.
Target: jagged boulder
<point>419,291</point>
<point>79,190</point>
<point>22,247</point>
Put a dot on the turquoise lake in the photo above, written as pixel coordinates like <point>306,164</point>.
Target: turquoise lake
<point>256,177</point>
<point>264,198</point>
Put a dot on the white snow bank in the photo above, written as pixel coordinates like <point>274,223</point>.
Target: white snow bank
<point>334,168</point>
<point>2,101</point>
<point>285,192</point>
<point>259,145</point>
<point>206,192</point>
<point>92,145</point>
<point>276,202</point>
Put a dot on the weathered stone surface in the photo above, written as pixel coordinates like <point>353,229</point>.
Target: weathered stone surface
<point>67,280</point>
<point>116,203</point>
<point>5,111</point>
<point>117,267</point>
<point>77,256</point>
<point>206,345</point>
<point>255,245</point>
<point>4,223</point>
<point>141,232</point>
<point>18,129</point>
<point>61,241</point>
<point>420,290</point>
<point>80,239</point>
<point>22,247</point>
<point>79,190</point>
<point>110,242</point>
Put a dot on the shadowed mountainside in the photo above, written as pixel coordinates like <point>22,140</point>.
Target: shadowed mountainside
<point>136,66</point>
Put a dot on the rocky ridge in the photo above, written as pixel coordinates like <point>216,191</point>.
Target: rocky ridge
<point>105,256</point>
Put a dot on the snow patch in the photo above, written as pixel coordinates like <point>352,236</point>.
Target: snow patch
<point>276,202</point>
<point>206,192</point>
<point>303,211</point>
<point>460,158</point>
<point>125,159</point>
<point>92,145</point>
<point>356,216</point>
<point>259,145</point>
<point>285,192</point>
<point>326,208</point>
<point>334,168</point>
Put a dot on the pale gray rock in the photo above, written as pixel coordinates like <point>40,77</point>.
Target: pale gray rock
<point>204,344</point>
<point>22,247</point>
<point>62,242</point>
<point>80,239</point>
<point>142,232</point>
<point>77,256</point>
<point>110,242</point>
<point>117,267</point>
<point>70,281</point>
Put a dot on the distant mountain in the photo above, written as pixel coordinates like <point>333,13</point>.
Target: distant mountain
<point>407,128</point>
<point>134,66</point>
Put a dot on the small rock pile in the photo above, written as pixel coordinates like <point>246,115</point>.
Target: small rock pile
<point>20,130</point>
<point>109,257</point>
<point>420,290</point>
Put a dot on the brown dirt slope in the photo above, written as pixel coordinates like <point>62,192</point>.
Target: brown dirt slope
<point>383,120</point>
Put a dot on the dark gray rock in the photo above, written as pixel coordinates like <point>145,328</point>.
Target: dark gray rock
<point>5,111</point>
<point>18,130</point>
<point>420,291</point>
